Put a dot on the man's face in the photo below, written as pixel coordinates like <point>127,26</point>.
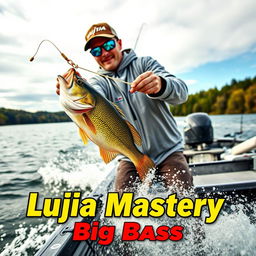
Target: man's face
<point>108,60</point>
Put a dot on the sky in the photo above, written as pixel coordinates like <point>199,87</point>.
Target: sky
<point>207,43</point>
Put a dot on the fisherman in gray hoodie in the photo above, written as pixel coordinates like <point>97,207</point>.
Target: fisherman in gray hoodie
<point>145,105</point>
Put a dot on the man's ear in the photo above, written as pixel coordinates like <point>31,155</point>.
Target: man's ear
<point>119,41</point>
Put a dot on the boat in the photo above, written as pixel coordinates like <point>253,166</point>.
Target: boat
<point>222,168</point>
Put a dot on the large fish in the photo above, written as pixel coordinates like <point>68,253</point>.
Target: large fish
<point>102,122</point>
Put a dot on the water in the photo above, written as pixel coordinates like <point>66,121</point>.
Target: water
<point>50,159</point>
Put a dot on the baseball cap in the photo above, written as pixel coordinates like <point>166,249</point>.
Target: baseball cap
<point>99,30</point>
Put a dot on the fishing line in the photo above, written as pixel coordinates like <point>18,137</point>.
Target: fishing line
<point>75,66</point>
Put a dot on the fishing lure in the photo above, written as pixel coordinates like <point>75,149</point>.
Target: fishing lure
<point>75,66</point>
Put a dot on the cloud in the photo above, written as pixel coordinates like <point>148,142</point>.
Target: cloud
<point>37,98</point>
<point>41,79</point>
<point>9,68</point>
<point>6,90</point>
<point>194,34</point>
<point>13,8</point>
<point>180,34</point>
<point>18,65</point>
<point>11,62</point>
<point>8,40</point>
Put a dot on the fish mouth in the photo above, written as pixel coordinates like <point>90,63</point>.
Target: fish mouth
<point>80,111</point>
<point>68,80</point>
<point>64,82</point>
<point>69,102</point>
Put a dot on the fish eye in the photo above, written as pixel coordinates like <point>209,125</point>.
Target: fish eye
<point>79,81</point>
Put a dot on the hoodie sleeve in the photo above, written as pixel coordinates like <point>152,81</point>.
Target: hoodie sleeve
<point>175,91</point>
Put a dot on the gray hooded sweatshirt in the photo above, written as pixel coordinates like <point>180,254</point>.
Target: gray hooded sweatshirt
<point>149,114</point>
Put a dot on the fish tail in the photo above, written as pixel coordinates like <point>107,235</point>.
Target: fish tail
<point>143,166</point>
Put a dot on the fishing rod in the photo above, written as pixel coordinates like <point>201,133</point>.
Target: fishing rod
<point>241,124</point>
<point>234,134</point>
<point>138,37</point>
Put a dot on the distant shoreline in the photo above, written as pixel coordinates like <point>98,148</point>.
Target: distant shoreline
<point>14,117</point>
<point>20,117</point>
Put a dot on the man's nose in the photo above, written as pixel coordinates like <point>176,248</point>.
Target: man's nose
<point>104,52</point>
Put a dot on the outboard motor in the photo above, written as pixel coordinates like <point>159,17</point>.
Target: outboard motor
<point>198,130</point>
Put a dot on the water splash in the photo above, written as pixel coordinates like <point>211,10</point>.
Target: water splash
<point>234,232</point>
<point>74,169</point>
<point>29,239</point>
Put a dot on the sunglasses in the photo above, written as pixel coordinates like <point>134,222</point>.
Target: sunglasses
<point>107,46</point>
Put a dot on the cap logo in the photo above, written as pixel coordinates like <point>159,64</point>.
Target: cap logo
<point>96,29</point>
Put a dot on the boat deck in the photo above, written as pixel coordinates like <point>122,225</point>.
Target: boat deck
<point>225,178</point>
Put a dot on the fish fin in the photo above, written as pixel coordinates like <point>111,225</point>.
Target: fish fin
<point>83,136</point>
<point>136,136</point>
<point>89,123</point>
<point>120,111</point>
<point>143,166</point>
<point>107,156</point>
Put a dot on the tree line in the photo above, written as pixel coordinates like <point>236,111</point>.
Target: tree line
<point>235,98</point>
<point>12,116</point>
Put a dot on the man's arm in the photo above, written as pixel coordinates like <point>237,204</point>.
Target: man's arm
<point>157,83</point>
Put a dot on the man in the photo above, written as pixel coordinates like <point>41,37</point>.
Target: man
<point>145,105</point>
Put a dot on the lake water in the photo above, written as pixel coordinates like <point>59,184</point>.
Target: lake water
<point>51,159</point>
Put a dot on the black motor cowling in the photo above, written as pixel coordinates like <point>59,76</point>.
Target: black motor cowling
<point>198,129</point>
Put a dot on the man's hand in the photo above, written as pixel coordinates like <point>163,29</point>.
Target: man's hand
<point>147,83</point>
<point>65,76</point>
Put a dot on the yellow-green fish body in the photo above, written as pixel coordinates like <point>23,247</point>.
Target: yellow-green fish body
<point>102,122</point>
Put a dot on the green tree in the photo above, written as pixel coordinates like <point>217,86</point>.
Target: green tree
<point>3,119</point>
<point>236,102</point>
<point>220,105</point>
<point>250,99</point>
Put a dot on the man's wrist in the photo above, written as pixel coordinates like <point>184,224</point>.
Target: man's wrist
<point>163,87</point>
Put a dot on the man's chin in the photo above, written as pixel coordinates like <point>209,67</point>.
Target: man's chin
<point>109,66</point>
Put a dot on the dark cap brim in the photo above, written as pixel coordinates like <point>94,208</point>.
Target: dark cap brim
<point>87,45</point>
